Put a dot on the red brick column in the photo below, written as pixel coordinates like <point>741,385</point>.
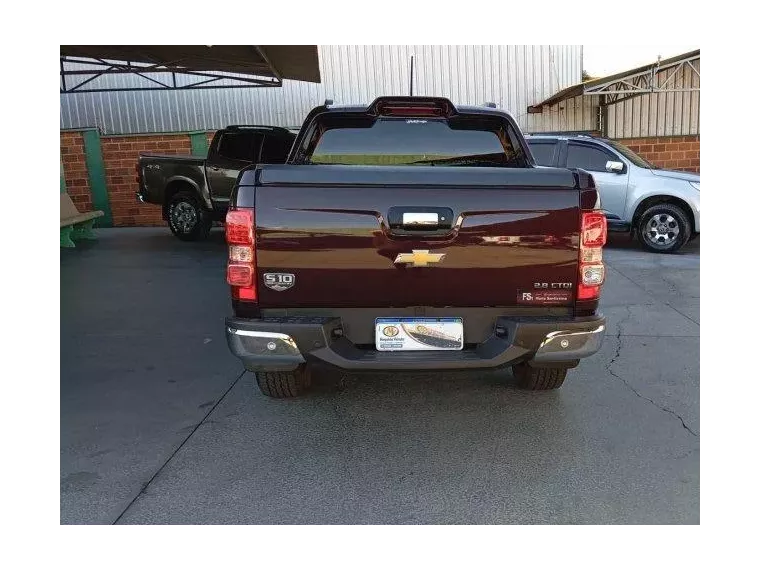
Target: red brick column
<point>120,155</point>
<point>75,170</point>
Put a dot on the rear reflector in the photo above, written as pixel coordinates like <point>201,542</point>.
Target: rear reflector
<point>244,293</point>
<point>586,293</point>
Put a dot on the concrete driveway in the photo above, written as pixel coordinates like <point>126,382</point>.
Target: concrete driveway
<point>160,425</point>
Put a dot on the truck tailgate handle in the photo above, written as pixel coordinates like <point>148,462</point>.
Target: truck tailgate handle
<point>417,220</point>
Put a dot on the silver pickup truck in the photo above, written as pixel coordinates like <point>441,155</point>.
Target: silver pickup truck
<point>194,191</point>
<point>660,207</point>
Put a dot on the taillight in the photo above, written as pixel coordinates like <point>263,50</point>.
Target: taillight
<point>593,238</point>
<point>411,107</point>
<point>241,261</point>
<point>409,111</point>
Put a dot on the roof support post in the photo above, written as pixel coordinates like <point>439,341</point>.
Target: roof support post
<point>602,117</point>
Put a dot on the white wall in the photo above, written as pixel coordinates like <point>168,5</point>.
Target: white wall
<point>513,77</point>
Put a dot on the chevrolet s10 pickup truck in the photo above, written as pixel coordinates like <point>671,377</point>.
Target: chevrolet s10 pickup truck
<point>194,191</point>
<point>413,235</point>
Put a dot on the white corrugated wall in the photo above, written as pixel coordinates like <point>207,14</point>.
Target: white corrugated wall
<point>659,114</point>
<point>513,77</point>
<point>655,115</point>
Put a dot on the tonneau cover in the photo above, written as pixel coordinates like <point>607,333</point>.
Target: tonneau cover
<point>406,176</point>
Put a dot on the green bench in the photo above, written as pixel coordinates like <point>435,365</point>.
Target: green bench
<point>75,225</point>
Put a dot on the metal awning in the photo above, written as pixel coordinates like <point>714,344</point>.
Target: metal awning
<point>651,78</point>
<point>88,68</point>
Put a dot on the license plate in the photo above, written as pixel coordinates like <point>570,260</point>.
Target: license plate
<point>418,334</point>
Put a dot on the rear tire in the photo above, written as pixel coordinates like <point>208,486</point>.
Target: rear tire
<point>663,228</point>
<point>186,218</point>
<point>530,378</point>
<point>284,384</point>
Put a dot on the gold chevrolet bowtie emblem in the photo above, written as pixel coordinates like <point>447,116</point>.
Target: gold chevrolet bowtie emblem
<point>419,257</point>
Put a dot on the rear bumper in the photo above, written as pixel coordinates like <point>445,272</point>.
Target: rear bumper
<point>282,344</point>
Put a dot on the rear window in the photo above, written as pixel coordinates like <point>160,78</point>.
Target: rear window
<point>458,141</point>
<point>241,146</point>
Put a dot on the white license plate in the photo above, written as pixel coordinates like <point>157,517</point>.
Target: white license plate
<point>418,334</point>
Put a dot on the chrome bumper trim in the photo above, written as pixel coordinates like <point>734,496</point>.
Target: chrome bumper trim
<point>569,345</point>
<point>264,349</point>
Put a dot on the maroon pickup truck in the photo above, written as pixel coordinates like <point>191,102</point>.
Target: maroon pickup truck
<point>413,235</point>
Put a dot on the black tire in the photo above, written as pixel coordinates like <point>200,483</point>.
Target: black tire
<point>657,238</point>
<point>186,218</point>
<point>284,384</point>
<point>531,378</point>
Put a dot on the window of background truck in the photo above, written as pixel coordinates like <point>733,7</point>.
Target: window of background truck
<point>588,157</point>
<point>416,141</point>
<point>543,152</point>
<point>275,149</point>
<point>240,146</point>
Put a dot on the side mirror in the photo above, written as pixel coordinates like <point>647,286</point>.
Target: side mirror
<point>615,166</point>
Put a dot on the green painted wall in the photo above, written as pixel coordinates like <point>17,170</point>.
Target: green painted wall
<point>96,174</point>
<point>63,179</point>
<point>199,142</point>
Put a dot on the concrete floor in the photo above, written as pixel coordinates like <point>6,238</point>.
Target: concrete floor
<point>160,425</point>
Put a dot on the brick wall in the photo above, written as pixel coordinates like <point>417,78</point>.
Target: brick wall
<point>120,156</point>
<point>673,153</point>
<point>75,170</point>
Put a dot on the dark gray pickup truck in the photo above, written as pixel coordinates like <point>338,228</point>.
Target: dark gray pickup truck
<point>194,191</point>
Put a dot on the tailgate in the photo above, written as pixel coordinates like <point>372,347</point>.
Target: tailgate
<point>356,236</point>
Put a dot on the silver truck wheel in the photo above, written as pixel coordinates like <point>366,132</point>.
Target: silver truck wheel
<point>664,228</point>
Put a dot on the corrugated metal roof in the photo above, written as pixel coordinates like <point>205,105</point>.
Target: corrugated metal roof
<point>283,62</point>
<point>582,88</point>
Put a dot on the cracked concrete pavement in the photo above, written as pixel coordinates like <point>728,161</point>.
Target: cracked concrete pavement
<point>159,426</point>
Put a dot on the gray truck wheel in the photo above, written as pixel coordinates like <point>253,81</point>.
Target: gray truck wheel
<point>284,384</point>
<point>531,378</point>
<point>663,228</point>
<point>187,219</point>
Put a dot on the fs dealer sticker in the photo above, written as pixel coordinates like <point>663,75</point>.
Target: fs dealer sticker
<point>544,297</point>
